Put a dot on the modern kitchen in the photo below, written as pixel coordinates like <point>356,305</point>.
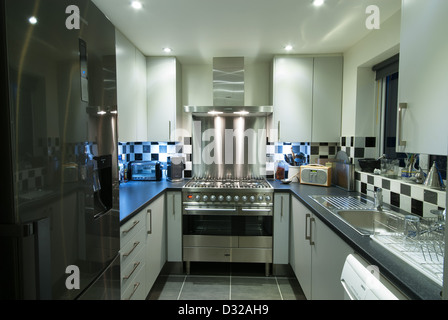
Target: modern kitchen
<point>209,150</point>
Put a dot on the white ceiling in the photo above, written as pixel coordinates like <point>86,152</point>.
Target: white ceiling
<point>198,30</point>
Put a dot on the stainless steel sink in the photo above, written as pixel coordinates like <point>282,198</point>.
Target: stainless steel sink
<point>368,222</point>
<point>360,214</point>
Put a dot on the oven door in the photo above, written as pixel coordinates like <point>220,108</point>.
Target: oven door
<point>231,221</point>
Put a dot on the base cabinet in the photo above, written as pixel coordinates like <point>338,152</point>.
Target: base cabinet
<point>142,250</point>
<point>174,226</point>
<point>317,255</point>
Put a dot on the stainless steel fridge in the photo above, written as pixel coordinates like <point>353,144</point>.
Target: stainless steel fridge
<point>59,220</point>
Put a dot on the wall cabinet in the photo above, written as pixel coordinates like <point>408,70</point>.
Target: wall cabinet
<point>163,97</point>
<point>281,228</point>
<point>131,90</point>
<point>174,226</point>
<point>307,98</point>
<point>317,254</point>
<point>423,78</point>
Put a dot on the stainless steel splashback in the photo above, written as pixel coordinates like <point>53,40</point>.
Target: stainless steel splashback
<point>229,146</point>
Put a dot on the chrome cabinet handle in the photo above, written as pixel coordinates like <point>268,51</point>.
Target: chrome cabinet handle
<point>401,107</point>
<point>132,227</point>
<point>307,216</point>
<point>278,131</point>
<point>169,130</point>
<point>136,264</point>
<point>311,232</point>
<point>281,208</point>
<point>149,221</point>
<point>136,285</point>
<point>174,211</point>
<point>133,248</point>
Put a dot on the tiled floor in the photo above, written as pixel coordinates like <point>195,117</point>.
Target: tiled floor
<point>222,281</point>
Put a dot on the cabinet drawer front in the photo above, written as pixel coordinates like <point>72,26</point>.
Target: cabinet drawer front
<point>131,228</point>
<point>131,269</point>
<point>130,250</point>
<point>136,288</point>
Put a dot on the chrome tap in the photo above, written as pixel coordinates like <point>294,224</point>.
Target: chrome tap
<point>379,199</point>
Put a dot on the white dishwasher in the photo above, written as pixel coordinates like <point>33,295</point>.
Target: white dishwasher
<point>362,281</point>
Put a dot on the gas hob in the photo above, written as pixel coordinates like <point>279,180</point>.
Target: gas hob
<point>211,191</point>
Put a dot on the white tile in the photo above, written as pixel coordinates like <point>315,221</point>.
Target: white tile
<point>405,203</point>
<point>441,199</point>
<point>188,165</point>
<point>427,207</point>
<point>378,181</point>
<point>395,186</point>
<point>270,149</point>
<point>154,148</point>
<point>188,149</point>
<point>417,192</point>
<point>363,177</point>
<point>386,196</point>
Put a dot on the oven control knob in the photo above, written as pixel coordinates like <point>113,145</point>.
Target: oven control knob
<point>221,198</point>
<point>260,198</point>
<point>204,198</point>
<point>197,198</point>
<point>229,198</point>
<point>252,198</point>
<point>213,198</point>
<point>268,198</point>
<point>236,198</point>
<point>244,198</point>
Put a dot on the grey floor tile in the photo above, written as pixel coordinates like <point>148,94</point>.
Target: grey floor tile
<point>167,287</point>
<point>290,289</point>
<point>206,288</point>
<point>254,288</point>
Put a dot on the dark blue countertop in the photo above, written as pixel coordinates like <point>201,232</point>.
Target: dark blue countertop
<point>134,196</point>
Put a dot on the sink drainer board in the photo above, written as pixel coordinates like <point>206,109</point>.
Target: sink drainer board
<point>425,254</point>
<point>344,202</point>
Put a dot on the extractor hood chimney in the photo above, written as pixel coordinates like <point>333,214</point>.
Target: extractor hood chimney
<point>228,90</point>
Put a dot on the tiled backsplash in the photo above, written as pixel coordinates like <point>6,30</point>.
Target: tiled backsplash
<point>410,197</point>
<point>359,148</point>
<point>157,151</point>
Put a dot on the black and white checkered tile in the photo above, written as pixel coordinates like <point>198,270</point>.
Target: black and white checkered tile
<point>412,198</point>
<point>312,150</point>
<point>359,148</point>
<point>157,151</point>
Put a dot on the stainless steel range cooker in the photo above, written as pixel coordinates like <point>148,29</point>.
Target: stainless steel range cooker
<point>227,220</point>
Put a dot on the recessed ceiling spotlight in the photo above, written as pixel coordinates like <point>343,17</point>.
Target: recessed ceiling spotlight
<point>32,20</point>
<point>288,47</point>
<point>167,50</point>
<point>136,5</point>
<point>318,3</point>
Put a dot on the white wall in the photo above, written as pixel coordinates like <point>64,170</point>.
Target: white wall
<point>358,103</point>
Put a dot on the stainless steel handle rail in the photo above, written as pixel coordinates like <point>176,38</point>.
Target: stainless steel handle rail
<point>307,216</point>
<point>401,107</point>
<point>136,264</point>
<point>311,232</point>
<point>132,227</point>
<point>136,285</point>
<point>149,221</point>
<point>133,248</point>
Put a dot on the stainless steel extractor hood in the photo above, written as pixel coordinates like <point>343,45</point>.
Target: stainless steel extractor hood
<point>228,90</point>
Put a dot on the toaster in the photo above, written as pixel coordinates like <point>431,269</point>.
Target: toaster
<point>146,171</point>
<point>315,174</point>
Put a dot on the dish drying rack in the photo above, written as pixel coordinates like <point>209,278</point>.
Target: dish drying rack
<point>424,252</point>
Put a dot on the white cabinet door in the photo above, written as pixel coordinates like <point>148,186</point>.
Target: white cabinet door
<point>317,256</point>
<point>131,90</point>
<point>423,81</point>
<point>163,97</point>
<point>281,228</point>
<point>327,99</point>
<point>155,240</point>
<point>328,258</point>
<point>174,226</point>
<point>300,252</point>
<point>293,98</point>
